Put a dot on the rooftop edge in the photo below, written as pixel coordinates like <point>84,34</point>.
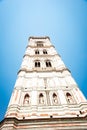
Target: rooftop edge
<point>36,37</point>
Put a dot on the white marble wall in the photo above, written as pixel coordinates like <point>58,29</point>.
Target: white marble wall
<point>47,82</point>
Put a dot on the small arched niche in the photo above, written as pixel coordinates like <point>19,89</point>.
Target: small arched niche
<point>26,99</point>
<point>48,63</point>
<point>41,98</point>
<point>69,98</point>
<point>55,99</point>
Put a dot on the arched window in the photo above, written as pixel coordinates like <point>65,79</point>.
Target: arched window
<point>41,98</point>
<point>48,63</point>
<point>69,98</point>
<point>26,99</point>
<point>44,51</point>
<point>55,100</point>
<point>37,63</point>
<point>36,51</point>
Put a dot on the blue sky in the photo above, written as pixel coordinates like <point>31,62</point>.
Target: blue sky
<point>64,21</point>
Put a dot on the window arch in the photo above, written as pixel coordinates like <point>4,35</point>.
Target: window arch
<point>44,51</point>
<point>48,63</point>
<point>26,99</point>
<point>36,51</point>
<point>69,98</point>
<point>55,100</point>
<point>37,63</point>
<point>41,98</point>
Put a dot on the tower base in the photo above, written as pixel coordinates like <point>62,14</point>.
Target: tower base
<point>77,123</point>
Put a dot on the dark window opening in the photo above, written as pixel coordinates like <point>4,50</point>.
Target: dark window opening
<point>48,64</point>
<point>37,52</point>
<point>37,63</point>
<point>51,116</point>
<point>44,52</point>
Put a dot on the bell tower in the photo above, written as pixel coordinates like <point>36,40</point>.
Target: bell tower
<point>45,95</point>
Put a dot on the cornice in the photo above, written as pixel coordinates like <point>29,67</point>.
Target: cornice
<point>32,37</point>
<point>43,70</point>
<point>40,47</point>
<point>39,55</point>
<point>51,121</point>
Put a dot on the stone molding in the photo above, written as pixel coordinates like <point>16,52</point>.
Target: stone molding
<point>43,70</point>
<point>47,123</point>
<point>39,55</point>
<point>40,47</point>
<point>32,37</point>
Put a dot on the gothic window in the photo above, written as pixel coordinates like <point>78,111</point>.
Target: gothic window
<point>41,98</point>
<point>36,51</point>
<point>69,98</point>
<point>44,51</point>
<point>37,63</point>
<point>26,99</point>
<point>55,100</point>
<point>48,63</point>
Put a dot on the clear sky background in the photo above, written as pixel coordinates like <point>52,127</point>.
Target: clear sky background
<point>64,21</point>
